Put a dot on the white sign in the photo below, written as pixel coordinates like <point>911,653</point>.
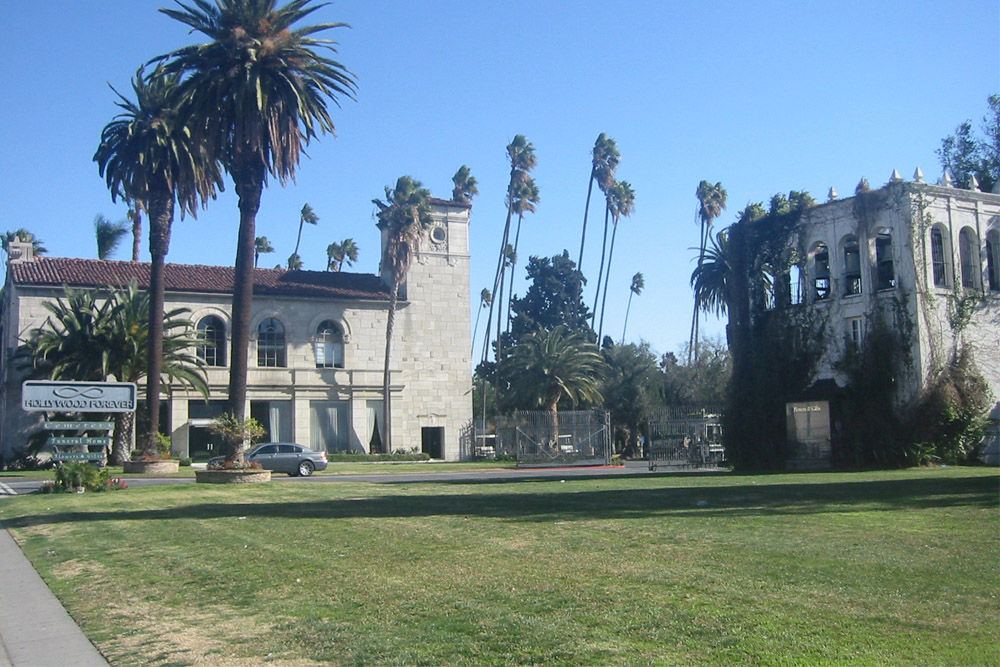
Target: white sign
<point>43,395</point>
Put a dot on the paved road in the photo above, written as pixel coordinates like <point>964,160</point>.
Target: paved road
<point>20,486</point>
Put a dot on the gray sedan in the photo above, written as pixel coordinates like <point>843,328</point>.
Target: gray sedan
<point>286,457</point>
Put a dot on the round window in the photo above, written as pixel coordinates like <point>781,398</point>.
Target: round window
<point>438,235</point>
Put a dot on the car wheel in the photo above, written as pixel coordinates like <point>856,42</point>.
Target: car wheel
<point>306,468</point>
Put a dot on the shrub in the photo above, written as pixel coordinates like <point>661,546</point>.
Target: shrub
<point>74,475</point>
<point>185,461</point>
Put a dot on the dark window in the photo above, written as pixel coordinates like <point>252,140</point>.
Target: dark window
<point>821,273</point>
<point>937,258</point>
<point>852,267</point>
<point>271,344</point>
<point>968,250</point>
<point>993,260</point>
<point>212,341</point>
<point>883,261</point>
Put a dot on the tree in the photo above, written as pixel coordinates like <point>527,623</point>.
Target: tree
<point>90,338</point>
<point>711,278</point>
<point>604,162</point>
<point>711,204</point>
<point>306,215</point>
<point>638,284</point>
<point>466,186</point>
<point>556,364</point>
<point>261,246</point>
<point>485,299</point>
<point>402,218</point>
<point>621,202</point>
<point>259,92</point>
<point>22,235</point>
<point>526,197</point>
<point>134,215</point>
<point>148,154</point>
<point>294,262</point>
<point>630,390</point>
<point>338,253</point>
<point>965,156</point>
<point>109,235</point>
<point>551,300</point>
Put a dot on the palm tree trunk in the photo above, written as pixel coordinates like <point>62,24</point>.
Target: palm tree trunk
<point>159,243</point>
<point>121,441</point>
<point>693,341</point>
<point>136,230</point>
<point>390,324</point>
<point>604,299</point>
<point>627,309</point>
<point>586,212</point>
<point>298,239</point>
<point>600,273</point>
<point>249,185</point>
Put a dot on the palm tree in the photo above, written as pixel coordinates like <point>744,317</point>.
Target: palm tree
<point>109,235</point>
<point>638,284</point>
<point>551,365</point>
<point>402,218</point>
<point>135,209</point>
<point>526,197</point>
<point>87,338</point>
<point>521,154</point>
<point>294,262</point>
<point>485,299</point>
<point>22,235</point>
<point>148,154</point>
<point>621,202</point>
<point>712,278</point>
<point>307,215</point>
<point>711,204</point>
<point>338,253</point>
<point>259,90</point>
<point>261,246</point>
<point>466,186</point>
<point>603,165</point>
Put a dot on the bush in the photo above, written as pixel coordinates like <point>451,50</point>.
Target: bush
<point>361,457</point>
<point>75,475</point>
<point>185,461</point>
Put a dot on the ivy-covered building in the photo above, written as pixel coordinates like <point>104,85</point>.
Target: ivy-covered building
<point>882,308</point>
<point>316,350</point>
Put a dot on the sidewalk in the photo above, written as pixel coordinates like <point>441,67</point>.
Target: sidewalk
<point>35,630</point>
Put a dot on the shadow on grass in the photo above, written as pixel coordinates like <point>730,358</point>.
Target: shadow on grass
<point>605,504</point>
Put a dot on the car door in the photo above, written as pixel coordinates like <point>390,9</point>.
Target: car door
<point>289,456</point>
<point>266,456</point>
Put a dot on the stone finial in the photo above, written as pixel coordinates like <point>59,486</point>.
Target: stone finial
<point>832,195</point>
<point>973,183</point>
<point>862,186</point>
<point>918,175</point>
<point>896,177</point>
<point>945,180</point>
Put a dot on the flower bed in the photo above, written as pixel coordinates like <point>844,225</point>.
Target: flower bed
<point>160,467</point>
<point>244,476</point>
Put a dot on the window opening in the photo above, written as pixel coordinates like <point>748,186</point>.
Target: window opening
<point>821,279</point>
<point>852,267</point>
<point>329,346</point>
<point>993,260</point>
<point>883,261</point>
<point>211,337</point>
<point>968,250</point>
<point>271,344</point>
<point>937,258</point>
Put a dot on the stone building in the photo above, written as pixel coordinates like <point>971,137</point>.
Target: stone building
<point>919,260</point>
<point>316,350</point>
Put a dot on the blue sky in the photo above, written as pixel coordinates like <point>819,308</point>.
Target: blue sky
<point>764,96</point>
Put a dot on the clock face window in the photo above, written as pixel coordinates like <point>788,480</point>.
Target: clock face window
<point>439,235</point>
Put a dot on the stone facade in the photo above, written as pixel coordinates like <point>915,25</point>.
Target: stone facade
<point>316,349</point>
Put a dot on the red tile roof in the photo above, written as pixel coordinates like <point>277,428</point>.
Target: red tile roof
<point>57,271</point>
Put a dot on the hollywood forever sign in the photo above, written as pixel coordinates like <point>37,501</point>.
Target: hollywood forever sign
<point>41,395</point>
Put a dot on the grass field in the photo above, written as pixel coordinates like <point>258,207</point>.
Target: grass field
<point>897,567</point>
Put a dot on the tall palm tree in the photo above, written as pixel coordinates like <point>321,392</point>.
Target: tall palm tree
<point>259,90</point>
<point>402,219</point>
<point>485,299</point>
<point>605,159</point>
<point>466,186</point>
<point>526,198</point>
<point>135,209</point>
<point>109,235</point>
<point>638,284</point>
<point>712,278</point>
<point>711,204</point>
<point>621,202</point>
<point>521,154</point>
<point>551,365</point>
<point>338,253</point>
<point>306,215</point>
<point>24,236</point>
<point>261,246</point>
<point>148,154</point>
<point>294,262</point>
<point>96,338</point>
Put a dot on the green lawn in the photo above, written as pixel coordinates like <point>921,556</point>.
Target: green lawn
<point>875,568</point>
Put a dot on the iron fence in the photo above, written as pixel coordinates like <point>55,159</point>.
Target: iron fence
<point>540,438</point>
<point>681,437</point>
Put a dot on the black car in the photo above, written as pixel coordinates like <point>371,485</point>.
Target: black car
<point>287,457</point>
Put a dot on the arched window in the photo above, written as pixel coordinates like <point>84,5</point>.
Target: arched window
<point>271,344</point>
<point>821,272</point>
<point>968,252</point>
<point>852,266</point>
<point>795,284</point>
<point>883,261</point>
<point>211,346</point>
<point>940,254</point>
<point>329,345</point>
<point>993,259</point>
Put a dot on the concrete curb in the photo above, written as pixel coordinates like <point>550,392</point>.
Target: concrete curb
<point>35,630</point>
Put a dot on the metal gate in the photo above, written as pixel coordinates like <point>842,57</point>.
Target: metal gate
<point>540,438</point>
<point>682,437</point>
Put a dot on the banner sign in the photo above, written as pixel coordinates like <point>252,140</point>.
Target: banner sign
<point>43,395</point>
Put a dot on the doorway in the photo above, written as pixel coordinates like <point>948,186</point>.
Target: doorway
<point>432,441</point>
